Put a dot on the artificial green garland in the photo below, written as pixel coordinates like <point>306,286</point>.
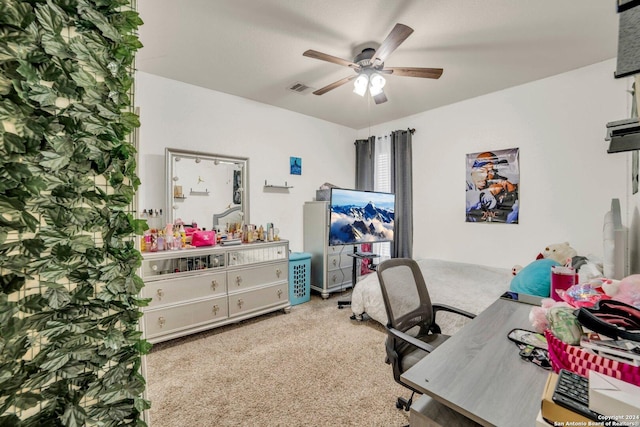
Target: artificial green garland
<point>70,348</point>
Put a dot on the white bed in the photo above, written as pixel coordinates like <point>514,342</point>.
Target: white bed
<point>469,287</point>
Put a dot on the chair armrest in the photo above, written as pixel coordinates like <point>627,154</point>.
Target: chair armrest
<point>444,307</point>
<point>411,340</point>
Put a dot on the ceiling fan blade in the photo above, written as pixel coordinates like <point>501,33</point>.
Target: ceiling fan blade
<point>334,59</point>
<point>427,73</point>
<point>380,98</point>
<point>395,38</point>
<point>334,85</point>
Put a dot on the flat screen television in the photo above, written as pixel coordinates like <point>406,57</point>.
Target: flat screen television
<point>360,217</point>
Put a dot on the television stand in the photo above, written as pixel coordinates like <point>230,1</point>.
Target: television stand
<point>356,255</point>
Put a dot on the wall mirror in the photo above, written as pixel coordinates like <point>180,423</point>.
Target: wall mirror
<point>207,189</point>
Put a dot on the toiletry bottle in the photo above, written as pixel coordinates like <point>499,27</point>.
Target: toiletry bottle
<point>183,237</point>
<point>154,240</point>
<point>161,240</point>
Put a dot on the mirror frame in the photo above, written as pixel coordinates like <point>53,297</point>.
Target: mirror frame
<point>172,153</point>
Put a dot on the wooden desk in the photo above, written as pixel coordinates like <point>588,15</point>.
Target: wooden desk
<point>478,372</point>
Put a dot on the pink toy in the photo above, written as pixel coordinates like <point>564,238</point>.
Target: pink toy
<point>629,290</point>
<point>538,315</point>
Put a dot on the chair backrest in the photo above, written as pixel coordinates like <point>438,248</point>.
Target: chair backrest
<point>405,294</point>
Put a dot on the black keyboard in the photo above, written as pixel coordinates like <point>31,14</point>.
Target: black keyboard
<point>572,392</point>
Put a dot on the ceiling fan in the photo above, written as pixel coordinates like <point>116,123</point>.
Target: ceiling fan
<point>369,66</point>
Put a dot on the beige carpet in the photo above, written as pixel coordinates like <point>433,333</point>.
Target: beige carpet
<point>311,367</point>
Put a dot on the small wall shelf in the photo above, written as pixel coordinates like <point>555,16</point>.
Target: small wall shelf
<point>285,186</point>
<point>199,193</point>
<point>179,197</point>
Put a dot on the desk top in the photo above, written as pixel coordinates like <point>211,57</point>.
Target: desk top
<point>478,371</point>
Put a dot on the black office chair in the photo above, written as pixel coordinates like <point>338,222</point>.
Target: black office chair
<point>412,329</point>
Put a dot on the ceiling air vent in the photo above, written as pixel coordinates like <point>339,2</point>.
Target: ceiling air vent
<point>300,88</point>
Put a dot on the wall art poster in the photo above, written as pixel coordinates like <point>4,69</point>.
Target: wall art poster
<point>493,179</point>
<point>295,164</point>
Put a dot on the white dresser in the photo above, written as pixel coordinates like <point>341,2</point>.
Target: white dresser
<point>331,266</point>
<point>193,290</point>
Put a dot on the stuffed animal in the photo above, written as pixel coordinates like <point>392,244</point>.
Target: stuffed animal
<point>560,252</point>
<point>626,290</point>
<point>535,278</point>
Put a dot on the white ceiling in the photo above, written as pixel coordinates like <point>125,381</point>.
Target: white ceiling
<point>253,48</point>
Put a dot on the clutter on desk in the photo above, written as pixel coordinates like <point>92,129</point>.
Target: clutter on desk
<point>595,326</point>
<point>557,267</point>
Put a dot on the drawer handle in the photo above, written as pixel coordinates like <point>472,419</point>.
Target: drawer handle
<point>240,302</point>
<point>215,309</point>
<point>278,272</point>
<point>279,293</point>
<point>214,284</point>
<point>238,280</point>
<point>161,321</point>
<point>160,293</point>
<point>334,278</point>
<point>334,262</point>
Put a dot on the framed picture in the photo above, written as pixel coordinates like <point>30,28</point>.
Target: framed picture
<point>493,180</point>
<point>295,165</point>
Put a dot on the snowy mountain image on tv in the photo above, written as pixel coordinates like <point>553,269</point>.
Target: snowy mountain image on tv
<point>361,217</point>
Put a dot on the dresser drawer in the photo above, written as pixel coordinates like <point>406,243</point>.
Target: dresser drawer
<point>342,249</point>
<point>245,302</point>
<point>246,278</point>
<point>339,261</point>
<point>170,319</point>
<point>258,254</point>
<point>172,291</point>
<point>340,276</point>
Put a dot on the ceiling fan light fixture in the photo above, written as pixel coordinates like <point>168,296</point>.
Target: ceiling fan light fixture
<point>377,83</point>
<point>360,85</point>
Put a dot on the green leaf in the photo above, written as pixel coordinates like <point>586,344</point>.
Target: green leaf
<point>130,120</point>
<point>74,416</point>
<point>28,71</point>
<point>13,144</point>
<point>101,22</point>
<point>53,161</point>
<point>43,95</point>
<point>139,225</point>
<point>57,297</point>
<point>35,185</point>
<point>30,221</point>
<point>27,400</point>
<point>55,45</point>
<point>34,247</point>
<point>50,17</point>
<point>11,282</point>
<point>81,243</point>
<point>84,79</point>
<point>55,362</point>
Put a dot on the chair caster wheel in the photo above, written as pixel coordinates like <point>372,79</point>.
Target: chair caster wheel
<point>399,405</point>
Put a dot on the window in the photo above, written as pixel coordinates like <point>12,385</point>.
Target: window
<point>382,182</point>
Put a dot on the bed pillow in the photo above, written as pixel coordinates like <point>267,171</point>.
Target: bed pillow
<point>535,278</point>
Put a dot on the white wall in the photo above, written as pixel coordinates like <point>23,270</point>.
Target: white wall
<point>567,179</point>
<point>178,115</point>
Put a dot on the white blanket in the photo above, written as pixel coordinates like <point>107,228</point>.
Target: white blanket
<point>469,287</point>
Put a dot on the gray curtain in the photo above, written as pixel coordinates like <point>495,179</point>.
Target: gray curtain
<point>402,186</point>
<point>365,163</point>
